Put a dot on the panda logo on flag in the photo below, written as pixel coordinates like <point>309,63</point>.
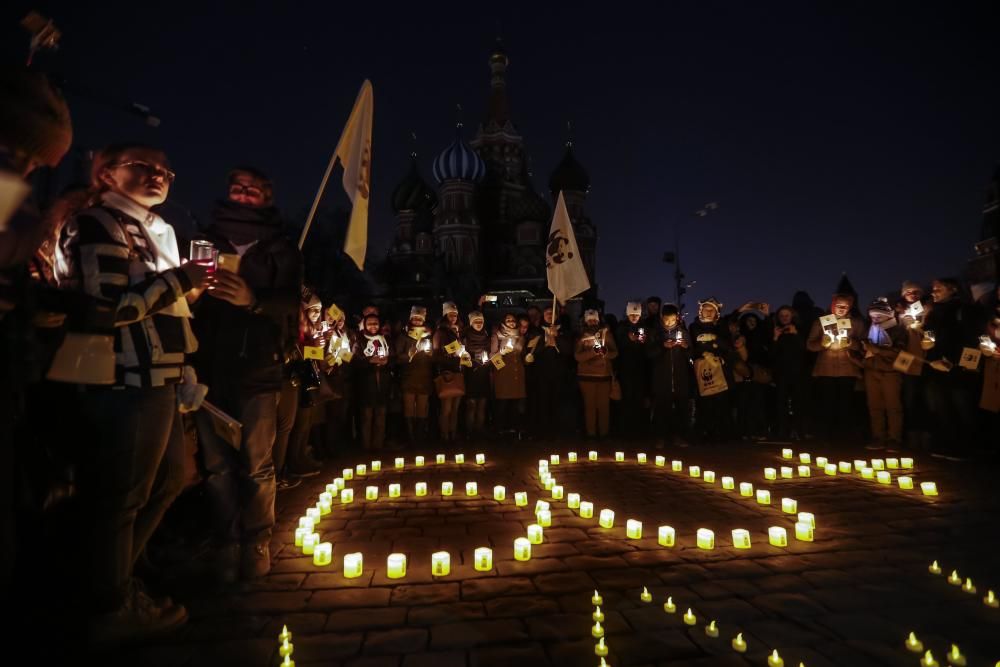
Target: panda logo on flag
<point>558,250</point>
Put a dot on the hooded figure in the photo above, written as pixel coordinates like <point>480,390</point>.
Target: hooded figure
<point>633,371</point>
<point>883,383</point>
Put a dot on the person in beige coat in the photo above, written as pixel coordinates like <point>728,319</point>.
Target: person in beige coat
<point>507,343</point>
<point>595,350</point>
<point>836,338</point>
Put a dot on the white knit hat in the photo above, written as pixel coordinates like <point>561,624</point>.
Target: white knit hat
<point>591,314</point>
<point>476,315</point>
<point>633,308</point>
<point>418,311</point>
<point>449,307</point>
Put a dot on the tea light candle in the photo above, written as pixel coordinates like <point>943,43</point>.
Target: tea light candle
<point>641,457</point>
<point>596,599</point>
<point>711,630</point>
<point>934,568</point>
<point>440,563</point>
<point>991,600</point>
<point>353,565</point>
<point>521,498</point>
<point>361,470</point>
<point>597,631</point>
<point>739,644</point>
<point>955,657</point>
<point>619,457</point>
<point>689,617</point>
<point>789,505</point>
<point>586,509</point>
<point>892,464</point>
<point>307,522</point>
<point>471,489</point>
<point>541,505</point>
<point>285,635</point>
<point>286,648</point>
<point>906,462</point>
<point>709,477</point>
<point>309,543</point>
<point>447,488</point>
<point>905,483</point>
<point>347,496</point>
<point>787,453</point>
<point>968,587</point>
<point>746,489</point>
<point>774,660</point>
<point>787,472</point>
<point>348,473</point>
<point>771,473</point>
<point>706,538</point>
<point>324,507</point>
<point>396,566</point>
<point>660,461</point>
<point>499,492</point>
<point>376,466</point>
<point>600,649</point>
<point>419,461</point>
<point>439,459</point>
<point>805,471</point>
<point>323,553</point>
<point>326,496</point>
<point>844,466</point>
<point>544,518</point>
<point>371,493</point>
<point>554,459</point>
<point>607,519</point>
<point>633,529</point>
<point>763,497</point>
<point>777,536</point>
<point>804,457</point>
<point>573,501</point>
<point>728,483</point>
<point>928,660</point>
<point>929,488</point>
<point>821,461</point>
<point>313,514</point>
<point>459,458</point>
<point>741,538</point>
<point>665,536</point>
<point>334,488</point>
<point>645,596</point>
<point>830,469</point>
<point>883,477</point>
<point>954,579</point>
<point>535,533</point>
<point>557,492</point>
<point>860,464</point>
<point>807,517</point>
<point>549,483</point>
<point>394,490</point>
<point>571,457</point>
<point>300,534</point>
<point>694,471</point>
<point>867,473</point>
<point>803,531</point>
<point>420,489</point>
<point>592,455</point>
<point>480,459</point>
<point>878,464</point>
<point>522,548</point>
<point>914,644</point>
<point>669,606</point>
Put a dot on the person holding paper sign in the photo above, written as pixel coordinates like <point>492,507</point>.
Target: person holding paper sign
<point>341,349</point>
<point>836,338</point>
<point>883,383</point>
<point>414,351</point>
<point>477,375</point>
<point>507,346</point>
<point>911,311</point>
<point>372,381</point>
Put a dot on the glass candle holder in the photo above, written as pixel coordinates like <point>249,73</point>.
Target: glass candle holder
<point>557,492</point>
<point>844,466</point>
<point>706,538</point>
<point>541,505</point>
<point>371,493</point>
<point>361,469</point>
<point>666,536</point>
<point>728,483</point>
<point>607,519</point>
<point>447,488</point>
<point>787,472</point>
<point>878,464</point>
<point>805,471</point>
<point>571,457</point>
<point>804,457</point>
<point>420,489</point>
<point>892,464</point>
<point>471,489</point>
<point>746,489</point>
<point>770,473</point>
<point>830,469</point>
<point>905,483</point>
<point>480,459</point>
<point>906,463</point>
<point>323,553</point>
<point>777,536</point>
<point>573,501</point>
<point>300,533</point>
<point>592,455</point>
<point>586,509</point>
<point>353,565</point>
<point>694,471</point>
<point>400,462</point>
<point>860,464</point>
<point>803,532</point>
<point>787,453</point>
<point>741,538</point>
<point>395,490</point>
<point>459,458</point>
<point>619,457</point>
<point>522,549</point>
<point>763,497</point>
<point>309,543</point>
<point>544,518</point>
<point>553,459</point>
<point>419,461</point>
<point>439,459</point>
<point>807,517</point>
<point>324,507</point>
<point>535,533</point>
<point>376,466</point>
<point>660,461</point>
<point>347,496</point>
<point>633,529</point>
<point>789,505</point>
<point>483,559</point>
<point>641,457</point>
<point>347,473</point>
<point>307,522</point>
<point>396,566</point>
<point>313,514</point>
<point>440,563</point>
<point>821,461</point>
<point>521,498</point>
<point>883,477</point>
<point>867,473</point>
<point>499,492</point>
<point>929,488</point>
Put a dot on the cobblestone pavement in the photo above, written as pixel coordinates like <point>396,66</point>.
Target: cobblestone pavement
<point>849,598</point>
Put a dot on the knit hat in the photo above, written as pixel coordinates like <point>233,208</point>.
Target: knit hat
<point>591,314</point>
<point>476,316</point>
<point>880,306</point>
<point>910,285</point>
<point>633,308</point>
<point>711,301</point>
<point>418,311</point>
<point>335,313</point>
<point>34,118</point>
<point>449,307</point>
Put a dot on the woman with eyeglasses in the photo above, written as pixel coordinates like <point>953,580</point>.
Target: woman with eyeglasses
<point>117,248</point>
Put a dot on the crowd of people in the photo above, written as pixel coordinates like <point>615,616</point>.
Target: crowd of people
<point>146,368</point>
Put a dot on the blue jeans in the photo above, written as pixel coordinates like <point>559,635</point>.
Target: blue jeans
<point>240,483</point>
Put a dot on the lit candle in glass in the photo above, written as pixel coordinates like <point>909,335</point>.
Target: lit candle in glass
<point>419,461</point>
<point>741,538</point>
<point>830,469</point>
<point>665,536</point>
<point>471,489</point>
<point>906,462</point>
<point>787,453</point>
<point>313,514</point>
<point>660,461</point>
<point>371,493</point>
<point>396,566</point>
<point>914,644</point>
<point>955,657</point>
<point>586,509</point>
<point>709,477</point>
<point>347,496</point>
<point>326,497</point>
<point>439,459</point>
<point>968,587</point>
<point>884,477</point>
<point>323,553</point>
<point>619,456</point>
<point>400,462</point>
<point>571,457</point>
<point>905,483</point>
<point>892,464</point>
<point>771,473</point>
<point>361,470</point>
<point>633,529</point>
<point>592,455</point>
<point>353,565</point>
<point>929,488</point>
<point>300,533</point>
<point>447,488</point>
<point>522,548</point>
<point>694,471</point>
<point>348,473</point>
<point>521,498</point>
<point>597,631</point>
<point>867,473</point>
<point>499,492</point>
<point>324,507</point>
<point>394,490</point>
<point>991,600</point>
<point>805,471</point>
<point>821,461</point>
<point>480,459</point>
<point>789,505</point>
<point>878,464</point>
<point>706,538</point>
<point>596,599</point>
<point>954,579</point>
<point>535,533</point>
<point>573,501</point>
<point>807,517</point>
<point>541,505</point>
<point>307,522</point>
<point>777,536</point>
<point>549,483</point>
<point>440,563</point>
<point>763,497</point>
<point>805,458</point>
<point>803,531</point>
<point>728,483</point>
<point>460,458</point>
<point>787,472</point>
<point>746,489</point>
<point>333,489</point>
<point>285,651</point>
<point>607,519</point>
<point>309,543</point>
<point>376,466</point>
<point>553,459</point>
<point>557,492</point>
<point>641,457</point>
<point>483,559</point>
<point>420,488</point>
<point>544,518</point>
<point>934,568</point>
<point>844,466</point>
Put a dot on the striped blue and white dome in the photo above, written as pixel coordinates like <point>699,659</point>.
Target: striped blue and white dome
<point>458,161</point>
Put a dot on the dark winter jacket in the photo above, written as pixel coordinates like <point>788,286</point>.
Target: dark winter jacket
<point>590,364</point>
<point>415,360</point>
<point>954,326</point>
<point>671,367</point>
<point>444,360</point>
<point>788,355</point>
<point>477,376</point>
<point>372,380</point>
<point>632,363</point>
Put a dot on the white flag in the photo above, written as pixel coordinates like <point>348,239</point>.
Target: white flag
<point>563,261</point>
<point>355,153</point>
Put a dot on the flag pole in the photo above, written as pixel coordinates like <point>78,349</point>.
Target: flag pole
<point>319,193</point>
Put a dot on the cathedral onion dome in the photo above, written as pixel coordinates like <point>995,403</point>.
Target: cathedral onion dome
<point>569,174</point>
<point>412,193</point>
<point>460,162</point>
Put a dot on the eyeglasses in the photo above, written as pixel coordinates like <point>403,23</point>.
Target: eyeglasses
<point>149,170</point>
<point>249,190</point>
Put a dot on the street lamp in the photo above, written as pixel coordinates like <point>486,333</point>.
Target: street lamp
<point>674,256</point>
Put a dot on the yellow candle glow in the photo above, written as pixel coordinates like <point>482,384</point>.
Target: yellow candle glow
<point>968,587</point>
<point>706,538</point>
<point>554,459</point>
<point>883,477</point>
<point>669,606</point>
<point>573,501</point>
<point>777,536</point>
<point>774,660</point>
<point>419,461</point>
<point>763,497</point>
<point>285,635</point>
<point>906,462</point>
<point>677,466</point>
<point>323,553</point>
<point>807,517</point>
<point>286,648</point>
<point>771,473</point>
<point>728,483</point>
<point>821,461</point>
<point>571,457</point>
<point>867,473</point>
<point>353,565</point>
<point>541,505</point>
<point>596,599</point>
<point>746,489</point>
<point>549,483</point>
<point>521,498</point>
<point>660,461</point>
<point>928,660</point>
<point>600,649</point>
<point>830,469</point>
<point>844,466</point>
<point>689,617</point>
<point>804,457</point>
<point>300,534</point>
<point>544,518</point>
<point>313,514</point>
<point>929,488</point>
<point>307,521</point>
<point>954,579</point>
<point>557,492</point>
<point>934,568</point>
<point>371,493</point>
<point>597,631</point>
<point>309,543</point>
<point>665,536</point>
<point>499,492</point>
<point>633,529</point>
<point>439,459</point>
<point>586,509</point>
<point>787,453</point>
<point>641,457</point>
<point>447,488</point>
<point>361,470</point>
<point>787,472</point>
<point>480,459</point>
<point>694,471</point>
<point>394,490</point>
<point>522,548</point>
<point>860,464</point>
<point>645,596</point>
<point>803,532</point>
<point>789,505</point>
<point>905,483</point>
<point>348,473</point>
<point>334,488</point>
<point>955,657</point>
<point>878,464</point>
<point>709,477</point>
<point>741,538</point>
<point>535,533</point>
<point>471,489</point>
<point>592,455</point>
<point>805,471</point>
<point>460,458</point>
<point>347,496</point>
<point>991,600</point>
<point>376,466</point>
<point>326,496</point>
<point>324,507</point>
<point>400,463</point>
<point>440,563</point>
<point>739,644</point>
<point>420,489</point>
<point>396,566</point>
<point>711,630</point>
<point>892,464</point>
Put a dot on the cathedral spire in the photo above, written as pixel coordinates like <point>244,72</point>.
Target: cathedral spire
<point>499,108</point>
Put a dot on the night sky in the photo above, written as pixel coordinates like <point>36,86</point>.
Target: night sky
<point>833,138</point>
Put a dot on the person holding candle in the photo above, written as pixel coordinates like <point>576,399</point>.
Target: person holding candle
<point>414,358</point>
<point>552,360</point>
<point>883,383</point>
<point>912,309</point>
<point>509,391</point>
<point>372,381</point>
<point>838,366</point>
<point>594,352</point>
<point>476,340</point>
<point>787,353</point>
<point>713,354</point>
<point>338,409</point>
<point>668,349</point>
<point>449,357</point>
<point>633,372</point>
